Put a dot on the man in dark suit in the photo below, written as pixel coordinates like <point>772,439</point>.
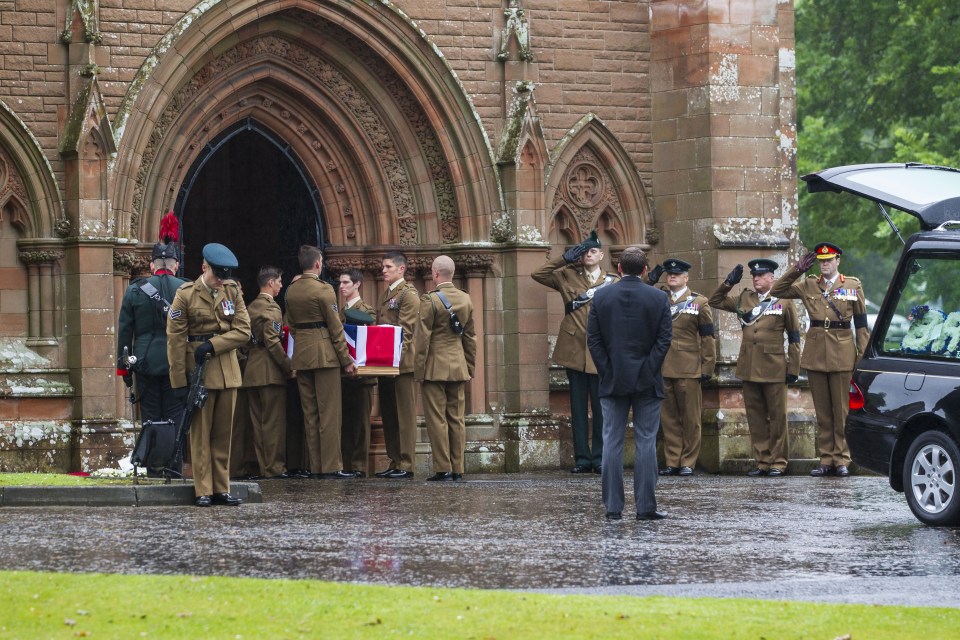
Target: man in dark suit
<point>628,334</point>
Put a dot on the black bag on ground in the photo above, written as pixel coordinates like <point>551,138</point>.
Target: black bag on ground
<point>156,445</point>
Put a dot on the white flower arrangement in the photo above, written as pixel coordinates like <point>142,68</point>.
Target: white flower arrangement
<point>125,470</point>
<point>924,328</point>
<point>948,342</point>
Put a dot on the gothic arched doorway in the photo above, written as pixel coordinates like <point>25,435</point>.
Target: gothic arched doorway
<point>249,191</point>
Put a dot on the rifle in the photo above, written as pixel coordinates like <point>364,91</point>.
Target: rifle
<point>196,398</point>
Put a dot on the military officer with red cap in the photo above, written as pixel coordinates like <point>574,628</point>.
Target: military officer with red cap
<point>835,305</point>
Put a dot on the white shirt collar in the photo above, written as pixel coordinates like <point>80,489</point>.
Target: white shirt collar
<point>352,302</point>
<point>595,274</point>
<point>830,282</point>
<point>679,294</point>
<point>396,284</point>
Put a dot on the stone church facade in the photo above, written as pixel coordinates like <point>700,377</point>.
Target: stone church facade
<point>494,131</point>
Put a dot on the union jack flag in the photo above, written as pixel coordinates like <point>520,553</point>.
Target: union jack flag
<point>374,346</point>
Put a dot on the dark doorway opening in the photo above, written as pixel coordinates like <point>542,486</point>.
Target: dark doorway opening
<point>249,191</point>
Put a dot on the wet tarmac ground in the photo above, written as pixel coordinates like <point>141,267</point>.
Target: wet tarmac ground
<point>834,540</point>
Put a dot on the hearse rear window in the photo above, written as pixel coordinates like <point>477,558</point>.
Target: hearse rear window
<point>926,320</point>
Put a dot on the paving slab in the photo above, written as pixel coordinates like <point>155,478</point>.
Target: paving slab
<point>831,539</point>
<point>174,494</point>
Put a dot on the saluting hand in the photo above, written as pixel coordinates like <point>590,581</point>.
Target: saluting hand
<point>804,263</point>
<point>735,276</point>
<point>654,276</point>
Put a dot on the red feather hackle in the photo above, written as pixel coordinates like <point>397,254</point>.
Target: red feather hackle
<point>169,228</point>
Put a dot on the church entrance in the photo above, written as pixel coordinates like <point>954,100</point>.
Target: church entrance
<point>249,191</point>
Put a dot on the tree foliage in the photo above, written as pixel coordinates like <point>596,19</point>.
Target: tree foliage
<point>877,81</point>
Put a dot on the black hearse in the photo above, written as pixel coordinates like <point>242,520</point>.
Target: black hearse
<point>904,418</point>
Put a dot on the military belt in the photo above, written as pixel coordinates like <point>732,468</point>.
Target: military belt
<point>310,325</point>
<point>831,324</point>
<point>201,338</point>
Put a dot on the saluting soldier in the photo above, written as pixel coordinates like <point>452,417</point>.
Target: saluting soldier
<point>835,304</point>
<point>399,305</point>
<point>446,353</point>
<point>762,365</point>
<point>690,362</point>
<point>319,354</point>
<point>357,391</point>
<point>265,376</point>
<point>209,320</point>
<point>577,275</point>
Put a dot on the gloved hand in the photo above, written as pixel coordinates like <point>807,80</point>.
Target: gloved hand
<point>128,380</point>
<point>204,350</point>
<point>180,394</point>
<point>654,276</point>
<point>574,253</point>
<point>734,276</point>
<point>792,378</point>
<point>804,263</point>
<point>704,377</point>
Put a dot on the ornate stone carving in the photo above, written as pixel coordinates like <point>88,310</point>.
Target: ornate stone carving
<point>587,191</point>
<point>40,257</point>
<point>63,227</point>
<point>516,26</point>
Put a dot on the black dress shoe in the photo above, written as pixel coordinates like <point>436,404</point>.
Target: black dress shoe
<point>775,473</point>
<point>614,515</point>
<point>302,474</point>
<point>580,468</point>
<point>755,473</point>
<point>399,474</point>
<point>441,476</point>
<point>822,470</point>
<point>651,515</point>
<point>385,473</point>
<point>596,470</point>
<point>842,471</point>
<point>203,501</point>
<point>286,475</point>
<point>336,475</point>
<point>226,499</point>
<point>685,471</point>
<point>669,471</point>
<point>457,477</point>
<point>359,474</point>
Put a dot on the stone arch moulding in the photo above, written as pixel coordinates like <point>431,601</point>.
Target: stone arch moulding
<point>428,116</point>
<point>31,183</point>
<point>592,180</point>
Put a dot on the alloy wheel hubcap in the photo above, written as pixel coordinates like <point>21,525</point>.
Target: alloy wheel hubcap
<point>933,479</point>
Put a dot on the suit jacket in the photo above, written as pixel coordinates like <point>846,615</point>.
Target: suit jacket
<point>442,355</point>
<point>570,280</point>
<point>310,300</point>
<point>828,349</point>
<point>629,333</point>
<point>400,307</point>
<point>693,352</point>
<point>762,357</point>
<point>142,328</point>
<point>267,361</point>
<point>195,312</point>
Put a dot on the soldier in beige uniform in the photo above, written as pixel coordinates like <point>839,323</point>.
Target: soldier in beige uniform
<point>689,363</point>
<point>319,353</point>
<point>265,376</point>
<point>209,320</point>
<point>577,275</point>
<point>399,305</point>
<point>835,304</point>
<point>761,364</point>
<point>446,351</point>
<point>357,391</point>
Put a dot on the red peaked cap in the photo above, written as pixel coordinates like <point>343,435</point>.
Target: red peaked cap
<point>169,228</point>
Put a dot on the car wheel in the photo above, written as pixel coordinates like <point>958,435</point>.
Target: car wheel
<point>930,479</point>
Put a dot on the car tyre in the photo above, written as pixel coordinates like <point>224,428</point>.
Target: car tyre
<point>930,479</point>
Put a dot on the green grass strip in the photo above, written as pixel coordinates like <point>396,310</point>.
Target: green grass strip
<point>66,480</point>
<point>53,605</point>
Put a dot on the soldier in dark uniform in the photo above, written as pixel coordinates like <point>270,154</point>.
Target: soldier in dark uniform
<point>577,275</point>
<point>689,363</point>
<point>835,305</point>
<point>357,391</point>
<point>142,329</point>
<point>265,376</point>
<point>399,305</point>
<point>209,320</point>
<point>319,354</point>
<point>761,364</point>
<point>445,360</point>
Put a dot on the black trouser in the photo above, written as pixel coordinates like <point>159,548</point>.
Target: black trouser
<point>157,400</point>
<point>584,386</point>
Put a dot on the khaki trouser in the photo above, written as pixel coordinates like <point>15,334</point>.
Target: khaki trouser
<point>355,431</point>
<point>210,434</point>
<point>320,398</point>
<point>831,400</point>
<point>398,408</point>
<point>680,421</point>
<point>443,407</point>
<point>268,415</point>
<point>766,404</point>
